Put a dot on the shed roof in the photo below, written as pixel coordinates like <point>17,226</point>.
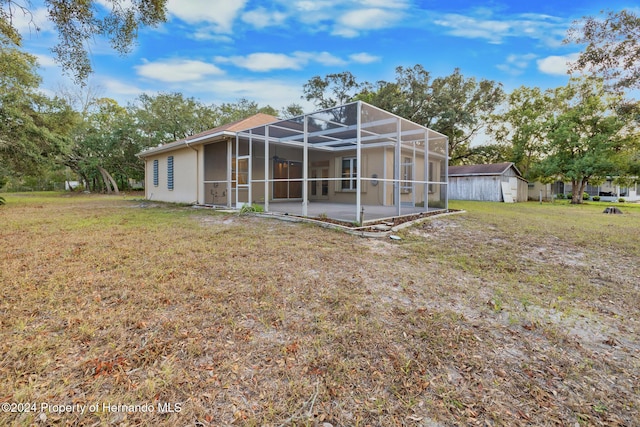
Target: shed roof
<point>490,169</point>
<point>228,129</point>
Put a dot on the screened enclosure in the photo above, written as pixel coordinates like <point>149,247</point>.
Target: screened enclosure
<point>353,162</point>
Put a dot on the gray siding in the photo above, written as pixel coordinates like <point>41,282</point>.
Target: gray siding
<point>483,188</point>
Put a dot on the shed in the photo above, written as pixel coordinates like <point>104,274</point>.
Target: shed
<point>499,182</point>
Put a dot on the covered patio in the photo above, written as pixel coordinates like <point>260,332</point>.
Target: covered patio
<point>354,162</point>
<point>342,211</point>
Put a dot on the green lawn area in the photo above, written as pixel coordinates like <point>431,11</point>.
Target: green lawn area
<point>506,314</point>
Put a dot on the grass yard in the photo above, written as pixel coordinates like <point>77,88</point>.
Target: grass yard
<point>117,311</point>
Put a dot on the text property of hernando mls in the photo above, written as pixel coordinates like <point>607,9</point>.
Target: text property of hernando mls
<point>78,408</point>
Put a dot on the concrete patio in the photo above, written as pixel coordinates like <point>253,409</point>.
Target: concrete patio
<point>344,211</point>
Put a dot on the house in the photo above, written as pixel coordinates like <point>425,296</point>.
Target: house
<point>607,190</point>
<point>349,162</point>
<point>499,182</point>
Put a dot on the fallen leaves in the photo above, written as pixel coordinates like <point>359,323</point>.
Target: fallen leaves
<point>256,322</point>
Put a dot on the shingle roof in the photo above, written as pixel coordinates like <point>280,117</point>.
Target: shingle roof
<point>238,125</point>
<point>490,169</point>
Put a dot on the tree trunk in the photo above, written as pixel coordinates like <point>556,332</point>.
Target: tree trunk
<point>576,192</point>
<point>109,181</point>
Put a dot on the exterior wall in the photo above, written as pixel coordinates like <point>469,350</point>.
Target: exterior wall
<point>488,187</point>
<point>482,188</point>
<point>185,177</point>
<point>215,169</point>
<point>607,191</point>
<point>523,190</point>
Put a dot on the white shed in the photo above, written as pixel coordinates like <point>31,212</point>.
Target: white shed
<point>500,182</point>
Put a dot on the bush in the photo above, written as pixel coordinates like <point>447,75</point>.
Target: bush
<point>559,196</point>
<point>251,209</point>
<point>596,198</point>
<point>621,200</point>
<point>585,196</point>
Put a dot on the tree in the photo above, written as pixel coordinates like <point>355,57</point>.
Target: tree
<point>95,150</point>
<point>587,139</point>
<point>410,96</point>
<point>78,22</point>
<point>291,110</point>
<point>463,107</point>
<point>33,127</point>
<point>488,153</point>
<point>332,90</point>
<point>523,126</point>
<point>613,47</point>
<point>168,117</point>
<point>241,109</point>
<point>453,105</point>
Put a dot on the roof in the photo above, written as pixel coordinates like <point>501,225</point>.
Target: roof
<point>228,129</point>
<point>344,127</point>
<point>490,169</point>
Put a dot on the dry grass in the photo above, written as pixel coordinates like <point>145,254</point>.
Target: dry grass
<point>507,315</point>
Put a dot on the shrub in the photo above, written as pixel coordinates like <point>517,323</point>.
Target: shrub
<point>585,196</point>
<point>559,196</point>
<point>621,200</point>
<point>596,198</point>
<point>251,209</point>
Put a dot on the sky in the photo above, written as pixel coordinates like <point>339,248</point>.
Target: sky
<point>219,51</point>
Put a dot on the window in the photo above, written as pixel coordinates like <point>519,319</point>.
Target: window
<point>170,172</point>
<point>407,176</point>
<point>349,173</point>
<point>430,178</point>
<point>155,173</point>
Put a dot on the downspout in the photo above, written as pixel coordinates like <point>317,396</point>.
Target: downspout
<point>146,196</point>
<point>186,142</point>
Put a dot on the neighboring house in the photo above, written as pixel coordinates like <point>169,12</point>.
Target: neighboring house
<point>500,182</point>
<point>355,156</point>
<point>607,191</point>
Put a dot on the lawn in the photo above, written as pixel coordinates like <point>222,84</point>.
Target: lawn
<point>121,311</point>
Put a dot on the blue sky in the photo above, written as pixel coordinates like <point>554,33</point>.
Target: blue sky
<point>223,50</point>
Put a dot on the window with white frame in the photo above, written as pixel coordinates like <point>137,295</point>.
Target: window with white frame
<point>407,175</point>
<point>349,173</point>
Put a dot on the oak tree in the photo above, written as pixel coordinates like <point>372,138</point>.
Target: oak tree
<point>612,47</point>
<point>587,139</point>
<point>79,22</point>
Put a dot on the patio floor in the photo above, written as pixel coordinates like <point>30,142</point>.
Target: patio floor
<point>344,211</point>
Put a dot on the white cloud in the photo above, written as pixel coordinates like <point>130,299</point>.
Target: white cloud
<point>177,70</point>
<point>556,65</point>
<point>208,33</point>
<point>364,58</point>
<point>220,13</point>
<point>45,60</point>
<point>515,64</point>
<point>307,6</point>
<point>464,26</point>
<point>265,61</point>
<point>31,22</point>
<point>327,59</point>
<point>262,18</point>
<point>353,22</point>
<point>274,92</point>
<point>546,28</point>
<point>395,4</point>
<point>113,86</point>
